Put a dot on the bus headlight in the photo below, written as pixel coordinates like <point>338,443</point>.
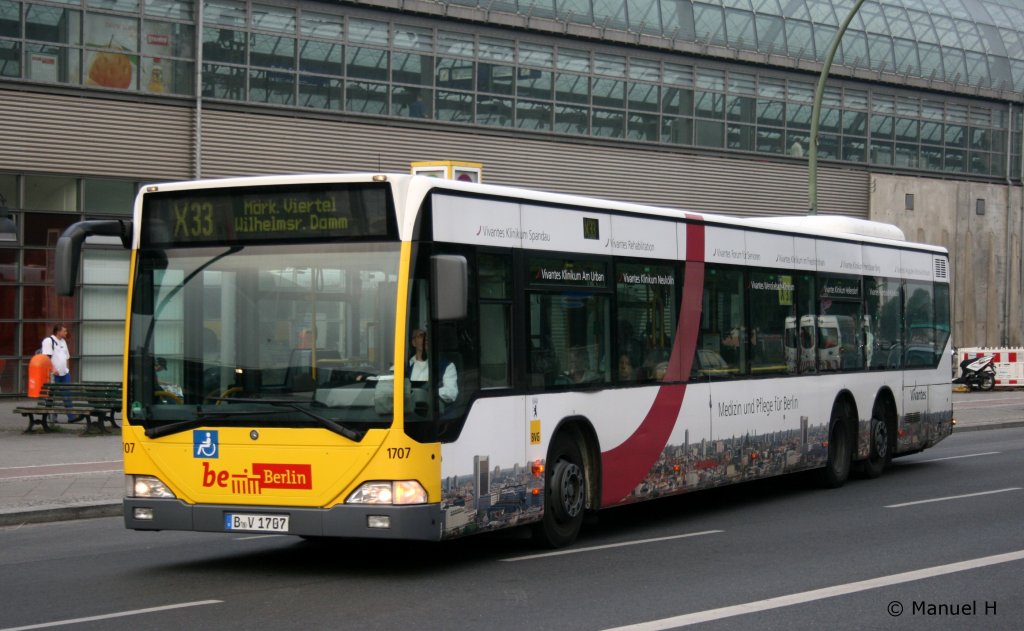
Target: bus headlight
<point>146,486</point>
<point>389,492</point>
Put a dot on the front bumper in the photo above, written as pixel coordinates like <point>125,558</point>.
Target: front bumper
<point>421,522</point>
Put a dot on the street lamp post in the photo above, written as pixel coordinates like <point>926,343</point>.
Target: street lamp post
<point>812,150</point>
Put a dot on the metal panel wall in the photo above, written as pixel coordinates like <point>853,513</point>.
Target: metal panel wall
<point>51,133</point>
<point>237,143</point>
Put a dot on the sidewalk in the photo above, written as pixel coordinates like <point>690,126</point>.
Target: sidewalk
<point>65,475</point>
<point>56,476</point>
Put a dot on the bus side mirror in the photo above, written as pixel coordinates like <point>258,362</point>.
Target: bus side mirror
<point>69,248</point>
<point>449,282</point>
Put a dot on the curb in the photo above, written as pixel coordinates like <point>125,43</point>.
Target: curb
<point>63,513</point>
<point>978,428</point>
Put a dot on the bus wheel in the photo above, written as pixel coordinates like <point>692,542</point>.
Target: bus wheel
<point>565,493</point>
<point>881,449</point>
<point>840,450</point>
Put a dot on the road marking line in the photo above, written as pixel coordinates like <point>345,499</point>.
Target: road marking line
<point>45,476</point>
<point>68,464</point>
<point>49,470</point>
<point>119,614</point>
<point>820,594</point>
<point>953,497</point>
<point>544,555</point>
<point>986,453</point>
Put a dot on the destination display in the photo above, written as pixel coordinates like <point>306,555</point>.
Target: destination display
<point>839,287</point>
<point>269,213</point>
<point>566,272</point>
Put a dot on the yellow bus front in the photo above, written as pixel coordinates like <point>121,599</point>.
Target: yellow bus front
<point>266,320</point>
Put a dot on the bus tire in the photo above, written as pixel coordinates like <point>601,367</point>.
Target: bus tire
<point>880,454</point>
<point>840,449</point>
<point>565,493</point>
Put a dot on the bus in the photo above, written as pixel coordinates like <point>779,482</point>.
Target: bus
<point>395,356</point>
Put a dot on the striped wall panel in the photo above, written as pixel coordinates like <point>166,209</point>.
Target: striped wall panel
<point>236,143</point>
<point>50,133</point>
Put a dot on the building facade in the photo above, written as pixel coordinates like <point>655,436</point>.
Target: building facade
<point>687,103</point>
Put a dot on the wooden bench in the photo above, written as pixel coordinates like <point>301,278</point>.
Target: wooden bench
<point>94,401</point>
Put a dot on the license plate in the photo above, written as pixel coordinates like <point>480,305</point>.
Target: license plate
<point>256,523</point>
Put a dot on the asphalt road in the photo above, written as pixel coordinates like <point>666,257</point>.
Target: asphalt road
<point>939,531</point>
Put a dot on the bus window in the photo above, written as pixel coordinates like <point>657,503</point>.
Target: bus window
<point>646,304</point>
<point>772,319</point>
<point>569,322</point>
<point>791,342</point>
<point>920,335</point>
<point>840,345</point>
<point>806,307</point>
<point>495,283</point>
<point>941,320</point>
<point>883,324</point>
<point>723,336</point>
<point>441,365</point>
<point>568,340</point>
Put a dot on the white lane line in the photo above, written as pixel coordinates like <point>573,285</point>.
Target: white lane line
<point>545,555</point>
<point>67,464</point>
<point>119,614</point>
<point>985,453</point>
<point>820,594</point>
<point>47,476</point>
<point>953,497</point>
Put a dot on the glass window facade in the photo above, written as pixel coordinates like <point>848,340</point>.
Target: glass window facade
<point>42,207</point>
<point>317,57</point>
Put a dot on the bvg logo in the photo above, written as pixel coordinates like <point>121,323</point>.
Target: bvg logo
<point>263,476</point>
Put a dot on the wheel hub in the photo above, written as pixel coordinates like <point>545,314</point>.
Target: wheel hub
<point>881,438</point>
<point>569,485</point>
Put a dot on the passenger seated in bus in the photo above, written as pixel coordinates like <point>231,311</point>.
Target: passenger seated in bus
<point>544,369</point>
<point>627,372</point>
<point>732,348</point>
<point>419,372</point>
<point>629,344</point>
<point>579,367</point>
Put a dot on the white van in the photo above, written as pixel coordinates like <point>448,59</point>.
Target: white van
<point>800,344</point>
<point>838,343</point>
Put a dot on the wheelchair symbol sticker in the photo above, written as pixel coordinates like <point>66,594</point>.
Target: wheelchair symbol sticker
<point>205,444</point>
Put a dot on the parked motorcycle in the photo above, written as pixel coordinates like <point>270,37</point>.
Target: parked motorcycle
<point>977,372</point>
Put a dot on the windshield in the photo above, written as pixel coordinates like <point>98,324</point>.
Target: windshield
<point>288,334</point>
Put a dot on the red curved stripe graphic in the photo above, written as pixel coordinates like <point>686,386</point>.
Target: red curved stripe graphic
<point>625,466</point>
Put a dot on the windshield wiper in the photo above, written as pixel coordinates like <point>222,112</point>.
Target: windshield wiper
<point>173,428</point>
<point>202,417</point>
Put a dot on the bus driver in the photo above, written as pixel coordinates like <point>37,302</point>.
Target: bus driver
<point>419,370</point>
